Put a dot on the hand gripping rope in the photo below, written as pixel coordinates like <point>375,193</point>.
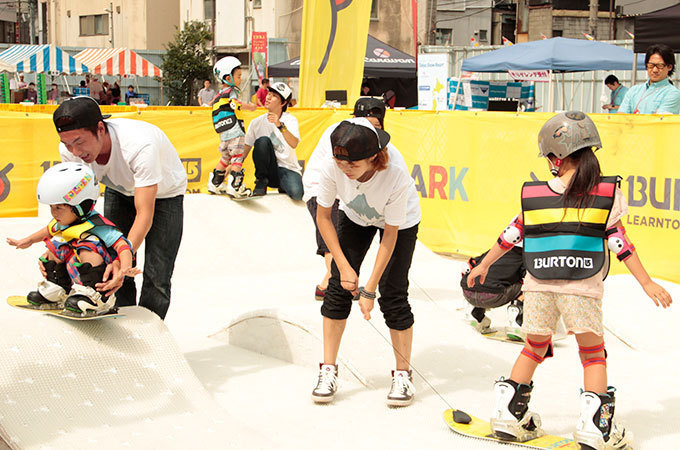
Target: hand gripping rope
<point>529,353</point>
<point>617,243</point>
<point>512,235</point>
<point>593,351</point>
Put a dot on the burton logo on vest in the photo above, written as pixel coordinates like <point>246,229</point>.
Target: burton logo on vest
<point>573,262</point>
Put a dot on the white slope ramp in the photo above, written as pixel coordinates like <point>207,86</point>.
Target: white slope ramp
<point>110,383</point>
<point>244,343</point>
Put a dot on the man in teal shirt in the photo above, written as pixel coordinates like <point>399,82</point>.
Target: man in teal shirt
<point>657,95</point>
<point>617,95</point>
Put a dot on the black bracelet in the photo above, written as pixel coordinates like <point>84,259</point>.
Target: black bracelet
<point>364,293</point>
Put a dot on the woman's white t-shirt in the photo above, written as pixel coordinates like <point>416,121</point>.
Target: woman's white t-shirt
<point>388,198</point>
<point>285,154</point>
<point>141,156</point>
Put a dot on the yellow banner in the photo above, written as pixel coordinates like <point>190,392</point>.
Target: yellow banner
<point>468,167</point>
<point>334,34</point>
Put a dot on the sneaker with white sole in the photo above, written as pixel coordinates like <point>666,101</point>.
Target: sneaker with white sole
<point>402,390</point>
<point>513,329</point>
<point>327,384</point>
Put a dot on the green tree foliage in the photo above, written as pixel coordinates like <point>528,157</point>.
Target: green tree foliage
<point>188,59</point>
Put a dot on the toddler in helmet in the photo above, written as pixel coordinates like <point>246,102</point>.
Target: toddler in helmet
<point>228,123</point>
<point>80,243</point>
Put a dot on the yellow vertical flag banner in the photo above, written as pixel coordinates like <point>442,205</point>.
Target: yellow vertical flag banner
<point>334,34</point>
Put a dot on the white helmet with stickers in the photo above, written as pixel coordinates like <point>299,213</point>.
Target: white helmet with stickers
<point>226,66</point>
<point>69,183</point>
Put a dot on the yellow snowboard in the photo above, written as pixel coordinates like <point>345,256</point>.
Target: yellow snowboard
<point>481,429</point>
<point>20,302</point>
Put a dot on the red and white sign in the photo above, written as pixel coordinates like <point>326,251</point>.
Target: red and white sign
<point>258,45</point>
<point>530,75</point>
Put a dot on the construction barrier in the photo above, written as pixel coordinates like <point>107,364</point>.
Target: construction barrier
<point>468,167</point>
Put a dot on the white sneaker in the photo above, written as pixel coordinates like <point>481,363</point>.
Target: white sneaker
<point>327,385</point>
<point>402,390</point>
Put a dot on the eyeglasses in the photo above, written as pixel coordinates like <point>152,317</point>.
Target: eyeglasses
<point>659,66</point>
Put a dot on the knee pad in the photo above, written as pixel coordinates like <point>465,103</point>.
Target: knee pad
<point>591,355</point>
<point>529,352</point>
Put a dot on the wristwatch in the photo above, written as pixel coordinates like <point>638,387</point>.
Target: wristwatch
<point>282,126</point>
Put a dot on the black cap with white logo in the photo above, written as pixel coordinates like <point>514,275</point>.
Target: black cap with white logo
<point>356,139</point>
<point>77,112</point>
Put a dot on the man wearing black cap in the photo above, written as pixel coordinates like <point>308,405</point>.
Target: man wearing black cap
<point>373,110</point>
<point>145,184</point>
<point>273,137</point>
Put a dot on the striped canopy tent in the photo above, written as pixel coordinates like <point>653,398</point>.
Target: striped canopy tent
<point>41,58</point>
<point>5,67</point>
<point>117,62</point>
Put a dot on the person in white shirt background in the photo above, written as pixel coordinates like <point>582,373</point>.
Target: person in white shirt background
<point>273,137</point>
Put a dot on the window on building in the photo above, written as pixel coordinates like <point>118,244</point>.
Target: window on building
<point>443,36</point>
<point>374,9</point>
<point>7,32</point>
<point>208,9</point>
<point>483,36</point>
<point>94,25</point>
<point>557,33</point>
<point>257,4</point>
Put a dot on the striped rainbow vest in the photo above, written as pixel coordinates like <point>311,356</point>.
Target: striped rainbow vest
<point>565,244</point>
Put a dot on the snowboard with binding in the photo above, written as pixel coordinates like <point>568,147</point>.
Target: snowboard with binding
<point>20,302</point>
<point>481,429</point>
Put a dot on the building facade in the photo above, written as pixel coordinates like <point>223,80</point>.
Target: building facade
<point>135,24</point>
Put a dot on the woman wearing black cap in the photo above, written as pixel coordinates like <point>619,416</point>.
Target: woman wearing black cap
<point>374,192</point>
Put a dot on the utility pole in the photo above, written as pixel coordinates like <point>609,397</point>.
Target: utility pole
<point>611,19</point>
<point>17,34</point>
<point>110,11</point>
<point>592,19</point>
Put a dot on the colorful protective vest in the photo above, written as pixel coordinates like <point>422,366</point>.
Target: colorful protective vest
<point>94,224</point>
<point>565,243</point>
<point>226,113</point>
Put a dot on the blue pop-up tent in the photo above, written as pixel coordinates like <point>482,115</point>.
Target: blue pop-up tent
<point>556,54</point>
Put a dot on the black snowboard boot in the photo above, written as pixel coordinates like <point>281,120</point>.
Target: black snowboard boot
<point>84,299</point>
<point>596,427</point>
<point>52,291</point>
<point>512,419</point>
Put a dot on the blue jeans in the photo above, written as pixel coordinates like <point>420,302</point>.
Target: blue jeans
<point>267,170</point>
<point>161,246</point>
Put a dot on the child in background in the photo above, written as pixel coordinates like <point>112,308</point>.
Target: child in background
<point>228,123</point>
<point>567,224</point>
<point>502,286</point>
<point>80,243</point>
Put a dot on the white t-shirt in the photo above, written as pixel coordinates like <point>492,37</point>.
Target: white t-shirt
<point>285,154</point>
<point>141,155</point>
<point>323,152</point>
<point>389,197</point>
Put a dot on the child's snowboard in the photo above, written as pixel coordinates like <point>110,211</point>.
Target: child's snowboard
<point>20,302</point>
<point>243,199</point>
<point>504,336</point>
<point>481,429</point>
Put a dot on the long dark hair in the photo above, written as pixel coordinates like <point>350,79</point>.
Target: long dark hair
<point>580,191</point>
